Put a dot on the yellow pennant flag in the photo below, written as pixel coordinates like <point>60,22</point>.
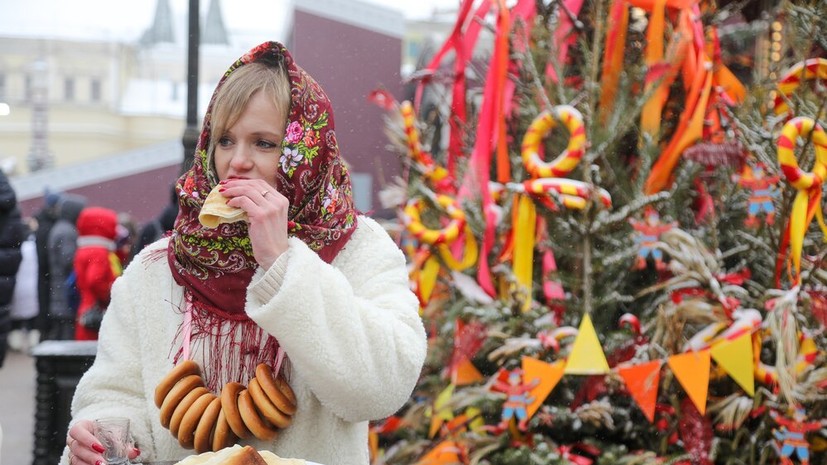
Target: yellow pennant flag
<point>642,382</point>
<point>545,375</point>
<point>692,371</point>
<point>586,357</point>
<point>441,410</point>
<point>735,357</point>
<point>427,279</point>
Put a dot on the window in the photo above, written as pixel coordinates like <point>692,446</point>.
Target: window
<point>95,90</point>
<point>69,89</point>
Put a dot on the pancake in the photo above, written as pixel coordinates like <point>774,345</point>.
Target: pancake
<point>216,211</point>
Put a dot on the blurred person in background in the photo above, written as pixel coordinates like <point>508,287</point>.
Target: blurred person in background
<point>45,218</point>
<point>125,237</point>
<point>62,245</point>
<point>24,304</point>
<point>157,227</point>
<point>12,234</point>
<point>97,263</point>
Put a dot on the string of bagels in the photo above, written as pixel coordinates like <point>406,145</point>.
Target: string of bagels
<point>204,421</point>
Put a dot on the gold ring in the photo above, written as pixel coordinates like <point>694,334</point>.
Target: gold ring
<point>264,193</point>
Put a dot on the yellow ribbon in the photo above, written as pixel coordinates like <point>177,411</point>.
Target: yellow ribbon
<point>525,225</point>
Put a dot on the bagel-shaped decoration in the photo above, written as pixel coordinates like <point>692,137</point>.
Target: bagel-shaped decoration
<point>802,127</point>
<point>539,128</point>
<point>413,222</point>
<point>813,68</point>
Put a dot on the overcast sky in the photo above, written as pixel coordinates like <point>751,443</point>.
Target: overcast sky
<point>126,19</point>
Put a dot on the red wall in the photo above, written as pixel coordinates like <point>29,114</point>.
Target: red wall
<point>350,62</point>
<point>142,195</point>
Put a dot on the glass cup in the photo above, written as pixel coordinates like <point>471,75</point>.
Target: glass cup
<point>114,435</point>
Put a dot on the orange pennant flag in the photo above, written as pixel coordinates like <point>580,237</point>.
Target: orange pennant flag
<point>692,371</point>
<point>445,453</point>
<point>586,357</point>
<point>735,357</point>
<point>546,375</point>
<point>642,382</point>
<point>466,373</point>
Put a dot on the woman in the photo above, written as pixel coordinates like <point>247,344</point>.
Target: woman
<point>305,280</point>
<point>96,264</point>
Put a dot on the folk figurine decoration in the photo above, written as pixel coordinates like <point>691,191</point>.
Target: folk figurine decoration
<point>762,192</point>
<point>517,398</point>
<point>647,234</point>
<point>792,435</point>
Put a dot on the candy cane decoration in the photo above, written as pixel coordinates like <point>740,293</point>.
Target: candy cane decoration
<point>542,124</point>
<point>807,202</point>
<point>814,68</point>
<point>573,194</point>
<point>438,175</point>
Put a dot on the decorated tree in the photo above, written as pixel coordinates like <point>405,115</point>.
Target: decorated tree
<point>612,213</point>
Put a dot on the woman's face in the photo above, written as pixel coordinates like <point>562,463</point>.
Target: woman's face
<point>250,148</point>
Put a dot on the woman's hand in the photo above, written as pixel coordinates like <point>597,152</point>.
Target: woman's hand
<point>84,447</point>
<point>267,212</point>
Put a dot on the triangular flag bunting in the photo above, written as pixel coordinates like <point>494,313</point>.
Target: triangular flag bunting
<point>642,382</point>
<point>587,357</point>
<point>445,453</point>
<point>735,357</point>
<point>546,375</point>
<point>692,371</point>
<point>466,373</point>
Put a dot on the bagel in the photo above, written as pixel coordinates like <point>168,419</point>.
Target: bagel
<point>229,404</point>
<point>183,407</point>
<point>260,428</point>
<point>173,398</point>
<point>222,435</point>
<point>185,368</point>
<point>265,407</point>
<point>206,426</point>
<point>186,433</point>
<point>277,389</point>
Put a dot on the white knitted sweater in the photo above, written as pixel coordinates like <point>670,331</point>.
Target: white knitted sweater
<point>351,330</point>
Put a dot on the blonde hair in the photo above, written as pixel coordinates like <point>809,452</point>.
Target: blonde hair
<point>232,97</point>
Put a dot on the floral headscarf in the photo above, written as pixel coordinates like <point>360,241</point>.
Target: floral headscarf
<point>215,266</point>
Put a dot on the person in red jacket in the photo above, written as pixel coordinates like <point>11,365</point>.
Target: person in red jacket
<point>96,264</point>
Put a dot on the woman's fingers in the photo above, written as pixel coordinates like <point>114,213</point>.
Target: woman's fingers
<point>267,211</point>
<point>84,447</point>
